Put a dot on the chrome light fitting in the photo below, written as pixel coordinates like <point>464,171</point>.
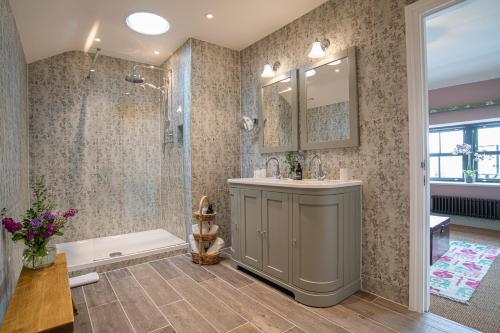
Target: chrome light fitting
<point>318,49</point>
<point>269,71</point>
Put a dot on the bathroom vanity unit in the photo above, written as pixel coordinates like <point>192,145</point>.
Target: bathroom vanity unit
<point>303,235</point>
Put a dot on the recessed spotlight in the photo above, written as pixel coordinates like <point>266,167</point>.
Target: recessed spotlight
<point>337,70</point>
<point>147,23</point>
<point>92,70</point>
<point>157,52</point>
<point>97,39</point>
<point>209,16</point>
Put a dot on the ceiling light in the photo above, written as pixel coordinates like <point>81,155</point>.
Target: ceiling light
<point>92,70</point>
<point>310,73</point>
<point>318,49</point>
<point>270,70</point>
<point>337,70</point>
<point>147,23</point>
<point>157,52</point>
<point>209,16</point>
<point>97,39</point>
<point>335,63</point>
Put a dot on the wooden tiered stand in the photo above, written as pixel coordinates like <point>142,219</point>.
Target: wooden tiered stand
<point>202,257</point>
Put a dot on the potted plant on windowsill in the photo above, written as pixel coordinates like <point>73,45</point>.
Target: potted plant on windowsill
<point>40,223</point>
<point>470,173</point>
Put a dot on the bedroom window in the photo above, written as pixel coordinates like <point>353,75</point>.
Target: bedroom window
<point>484,139</point>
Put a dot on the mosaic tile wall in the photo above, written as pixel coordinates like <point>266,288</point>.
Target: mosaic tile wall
<point>172,173</point>
<point>376,28</point>
<point>100,149</point>
<point>14,158</point>
<point>328,122</point>
<point>215,111</point>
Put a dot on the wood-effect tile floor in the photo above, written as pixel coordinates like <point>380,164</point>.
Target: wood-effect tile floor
<point>175,295</point>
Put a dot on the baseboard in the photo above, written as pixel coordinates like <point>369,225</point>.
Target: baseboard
<point>474,222</point>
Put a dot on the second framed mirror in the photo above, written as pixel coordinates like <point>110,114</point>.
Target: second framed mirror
<point>329,103</point>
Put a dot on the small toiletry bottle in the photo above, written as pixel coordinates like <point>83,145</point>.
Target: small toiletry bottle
<point>298,172</point>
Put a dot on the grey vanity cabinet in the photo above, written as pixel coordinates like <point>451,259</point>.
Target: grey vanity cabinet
<point>251,227</point>
<point>234,199</point>
<point>318,242</point>
<point>305,240</point>
<point>275,234</point>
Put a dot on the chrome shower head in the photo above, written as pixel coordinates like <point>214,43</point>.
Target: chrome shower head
<point>134,78</point>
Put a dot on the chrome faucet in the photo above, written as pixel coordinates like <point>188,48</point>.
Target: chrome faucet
<point>278,173</point>
<point>320,175</point>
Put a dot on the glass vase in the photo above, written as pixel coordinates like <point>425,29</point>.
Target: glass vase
<point>33,261</point>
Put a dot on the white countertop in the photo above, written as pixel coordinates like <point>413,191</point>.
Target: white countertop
<point>286,182</point>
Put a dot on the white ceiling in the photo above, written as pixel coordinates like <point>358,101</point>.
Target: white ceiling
<point>464,44</point>
<point>50,27</point>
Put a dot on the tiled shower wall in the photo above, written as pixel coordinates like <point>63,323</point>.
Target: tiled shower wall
<point>14,159</point>
<point>215,110</point>
<point>376,28</point>
<point>100,149</point>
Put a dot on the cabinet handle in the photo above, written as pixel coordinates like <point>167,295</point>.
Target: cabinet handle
<point>259,232</point>
<point>263,233</point>
<point>294,241</point>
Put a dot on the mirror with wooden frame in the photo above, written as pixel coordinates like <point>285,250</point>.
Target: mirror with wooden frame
<point>329,102</point>
<point>279,114</point>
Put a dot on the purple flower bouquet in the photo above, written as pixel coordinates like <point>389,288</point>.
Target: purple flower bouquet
<point>40,223</point>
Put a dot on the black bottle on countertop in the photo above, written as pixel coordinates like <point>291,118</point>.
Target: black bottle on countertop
<point>298,172</point>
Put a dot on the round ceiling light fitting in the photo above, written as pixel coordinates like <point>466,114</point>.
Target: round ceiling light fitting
<point>147,23</point>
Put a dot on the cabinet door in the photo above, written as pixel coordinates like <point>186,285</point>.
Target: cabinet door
<point>251,227</point>
<point>235,217</point>
<point>275,237</point>
<point>317,240</point>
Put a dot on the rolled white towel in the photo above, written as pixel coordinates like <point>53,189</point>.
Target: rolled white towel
<point>193,244</point>
<point>82,280</point>
<point>213,229</point>
<point>205,227</point>
<point>216,246</point>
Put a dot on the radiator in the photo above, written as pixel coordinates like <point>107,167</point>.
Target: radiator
<point>473,207</point>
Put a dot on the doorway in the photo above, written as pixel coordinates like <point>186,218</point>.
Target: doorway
<point>455,183</point>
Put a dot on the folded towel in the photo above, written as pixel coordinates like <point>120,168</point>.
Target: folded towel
<point>212,231</point>
<point>216,246</point>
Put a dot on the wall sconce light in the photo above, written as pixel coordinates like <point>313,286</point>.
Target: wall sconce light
<point>318,49</point>
<point>270,70</point>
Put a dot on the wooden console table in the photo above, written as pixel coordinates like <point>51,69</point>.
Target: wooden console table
<point>41,301</point>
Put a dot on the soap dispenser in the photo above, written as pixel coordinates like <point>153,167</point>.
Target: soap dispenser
<point>298,172</point>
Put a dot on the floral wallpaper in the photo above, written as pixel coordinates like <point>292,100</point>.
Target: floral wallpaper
<point>14,159</point>
<point>376,29</point>
<point>99,143</point>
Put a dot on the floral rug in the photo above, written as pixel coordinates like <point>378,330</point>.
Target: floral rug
<point>458,273</point>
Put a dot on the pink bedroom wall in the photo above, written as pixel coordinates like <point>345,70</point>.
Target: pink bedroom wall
<point>463,94</point>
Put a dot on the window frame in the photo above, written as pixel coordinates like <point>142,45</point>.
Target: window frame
<point>471,137</point>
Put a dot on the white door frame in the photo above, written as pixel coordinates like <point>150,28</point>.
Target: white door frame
<point>418,107</point>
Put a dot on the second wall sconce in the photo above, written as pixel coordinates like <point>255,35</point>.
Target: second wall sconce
<point>269,70</point>
<point>318,49</point>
